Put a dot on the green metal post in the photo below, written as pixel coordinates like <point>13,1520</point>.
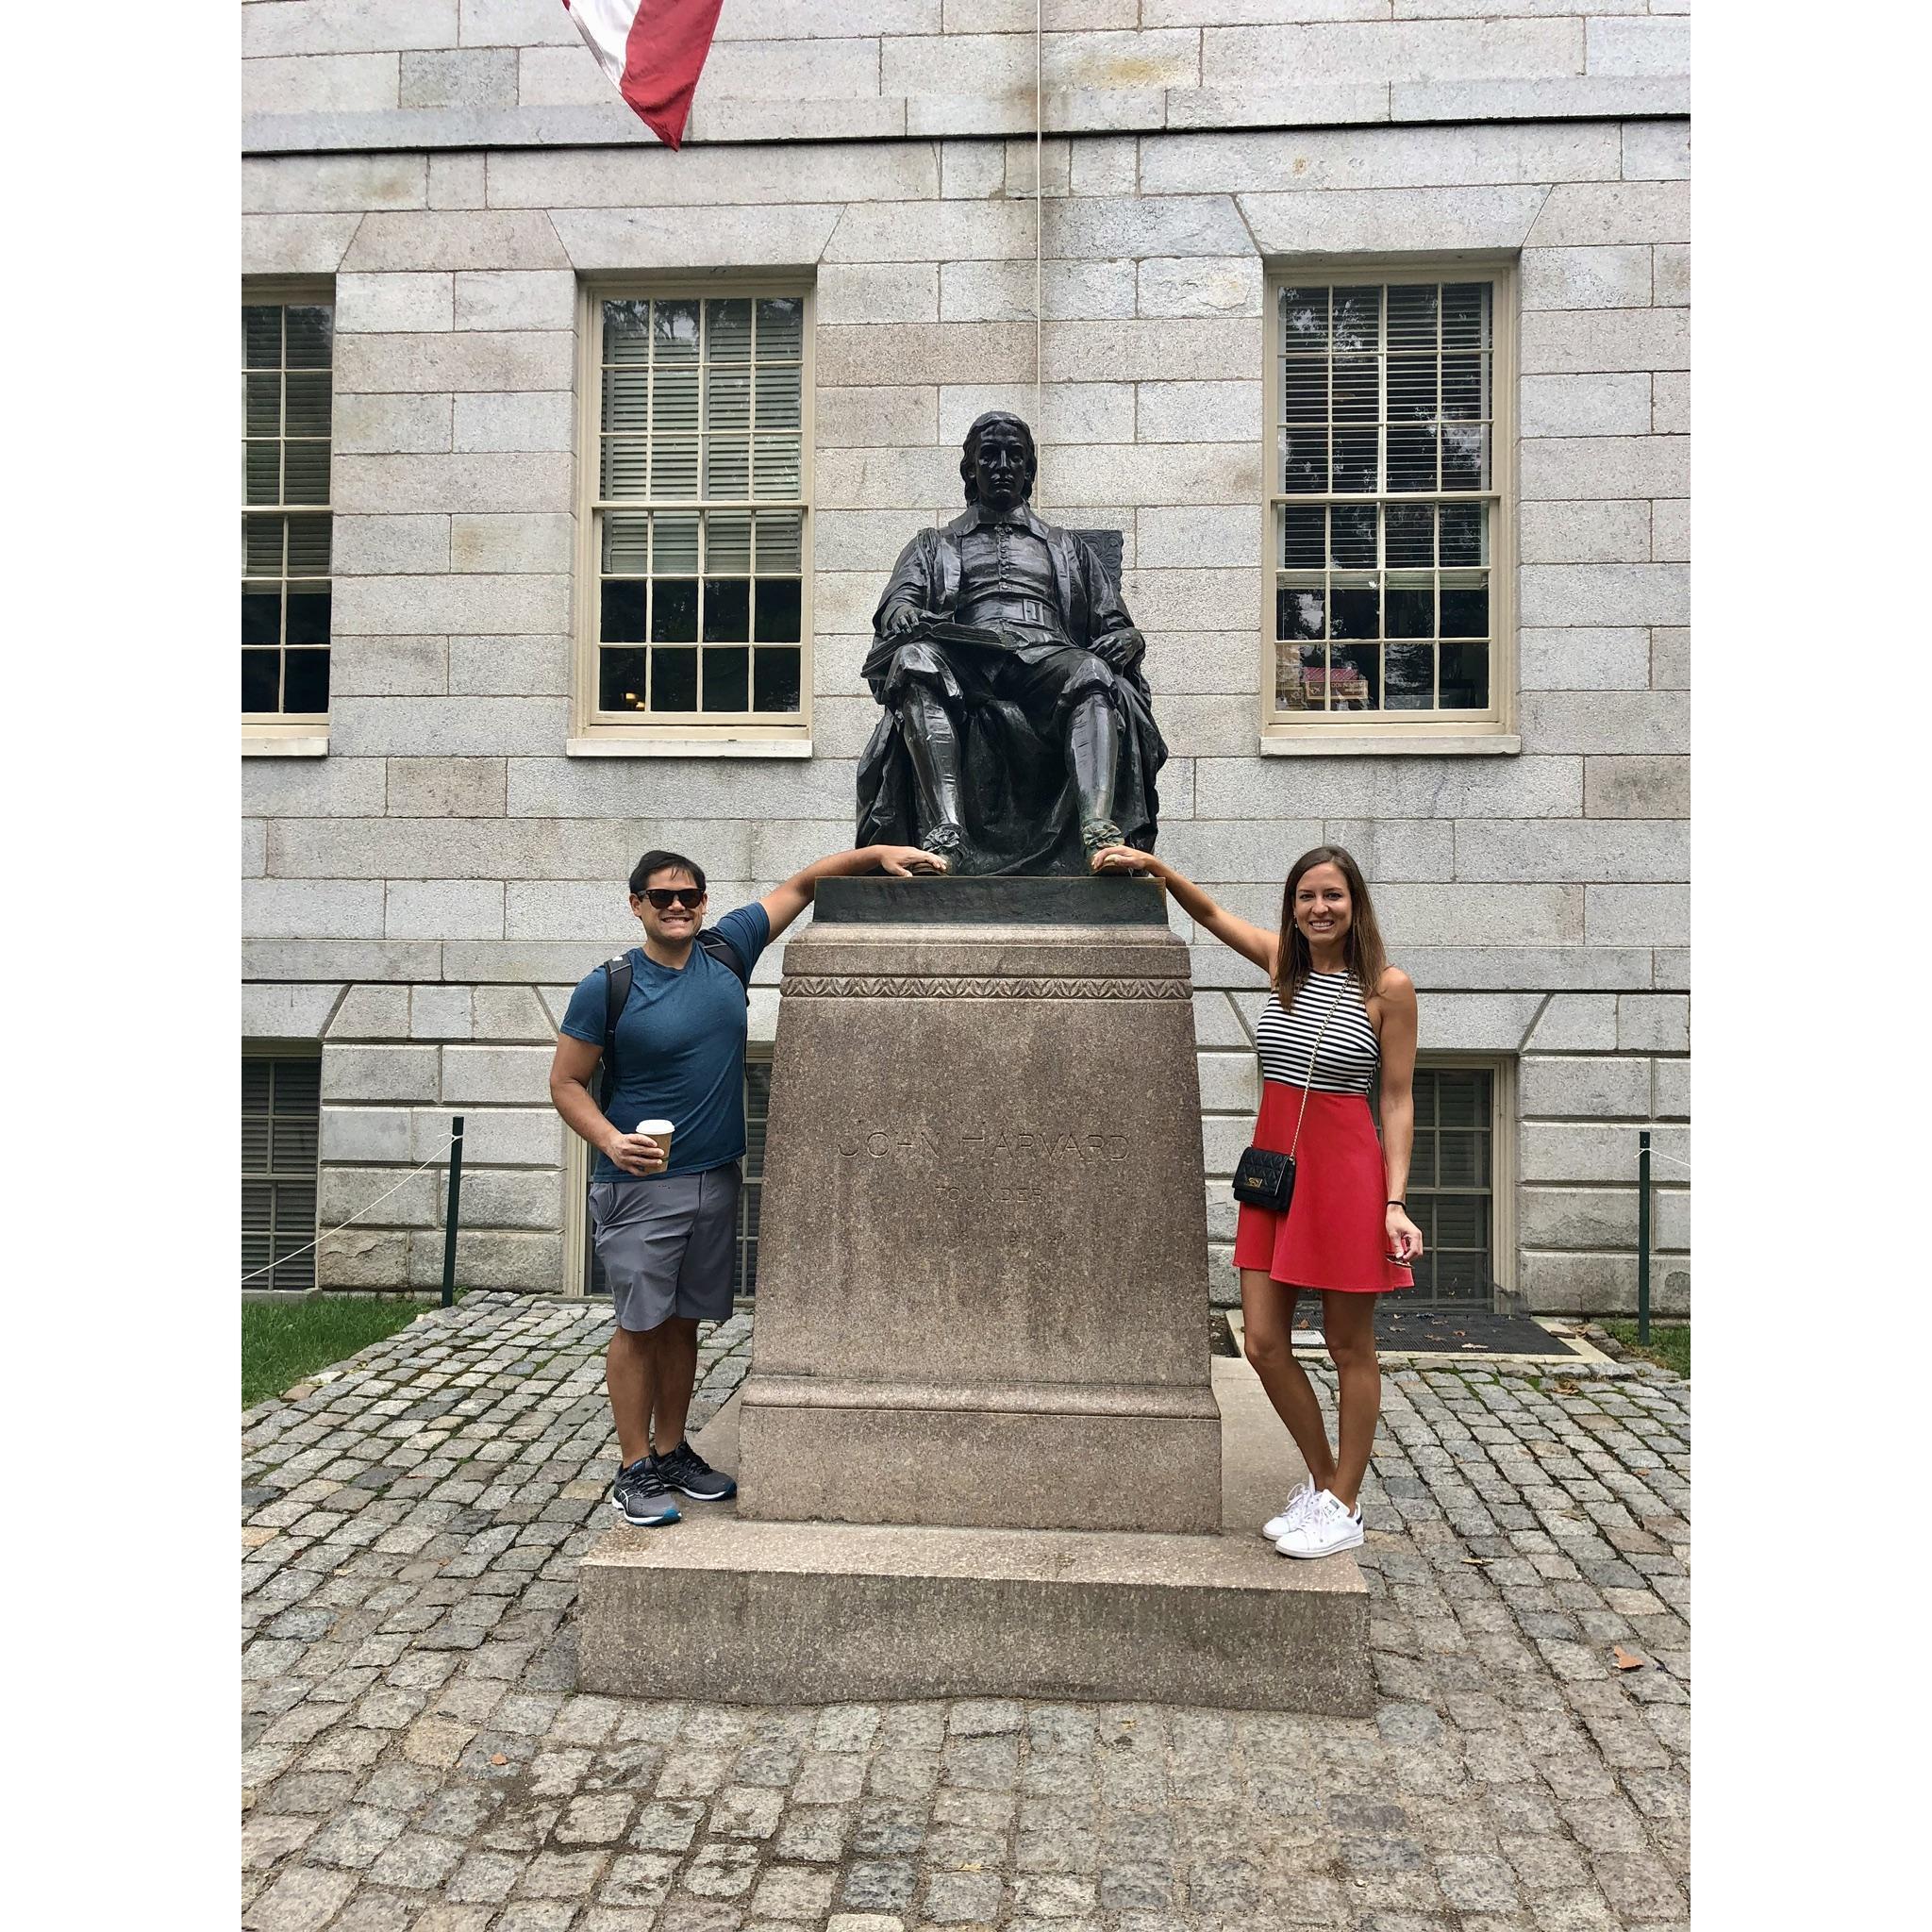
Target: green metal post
<point>1644,1235</point>
<point>456,1195</point>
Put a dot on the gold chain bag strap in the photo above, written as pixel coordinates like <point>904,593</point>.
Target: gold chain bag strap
<point>1263,1179</point>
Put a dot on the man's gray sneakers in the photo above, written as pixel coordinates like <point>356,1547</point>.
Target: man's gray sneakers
<point>686,1471</point>
<point>639,1495</point>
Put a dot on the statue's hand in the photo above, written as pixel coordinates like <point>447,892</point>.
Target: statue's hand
<point>1120,648</point>
<point>901,617</point>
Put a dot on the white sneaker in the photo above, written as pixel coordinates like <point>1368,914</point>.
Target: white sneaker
<point>1291,1511</point>
<point>1325,1527</point>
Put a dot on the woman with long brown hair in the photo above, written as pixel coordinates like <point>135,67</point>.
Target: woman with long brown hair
<point>1338,1015</point>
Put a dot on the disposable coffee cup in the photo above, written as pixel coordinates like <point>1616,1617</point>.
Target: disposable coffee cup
<point>660,1131</point>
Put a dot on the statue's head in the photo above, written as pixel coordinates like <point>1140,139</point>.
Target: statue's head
<point>998,461</point>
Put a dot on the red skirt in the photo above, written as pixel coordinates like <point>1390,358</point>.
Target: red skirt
<point>1333,1234</point>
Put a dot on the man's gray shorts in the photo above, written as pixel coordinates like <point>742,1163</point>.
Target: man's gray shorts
<point>665,1244</point>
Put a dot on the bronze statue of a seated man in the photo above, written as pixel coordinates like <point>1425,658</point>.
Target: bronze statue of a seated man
<point>1017,735</point>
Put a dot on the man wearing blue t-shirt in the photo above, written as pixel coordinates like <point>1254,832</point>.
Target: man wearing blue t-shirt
<point>664,1229</point>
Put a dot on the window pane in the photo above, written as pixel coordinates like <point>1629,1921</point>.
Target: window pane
<point>1411,607</point>
<point>1358,390</point>
<point>728,543</point>
<point>1355,677</point>
<point>1355,461</point>
<point>626,331</point>
<point>1304,316</point>
<point>730,332</point>
<point>307,609</point>
<point>1466,316</point>
<point>1304,390</point>
<point>728,400</point>
<point>1357,320</point>
<point>673,466</point>
<point>674,399</point>
<point>1465,608</point>
<point>727,610</point>
<point>1301,540</point>
<point>776,466</point>
<point>621,616</point>
<point>261,547</point>
<point>727,677</point>
<point>774,680</point>
<point>727,466</point>
<point>674,543</point>
<point>781,328</point>
<point>778,611</point>
<point>261,676</point>
<point>1304,461</point>
<point>1465,677</point>
<point>1298,611</point>
<point>262,410</point>
<point>309,546</point>
<point>305,681</point>
<point>1465,457</point>
<point>674,680</point>
<point>1411,455</point>
<point>777,396</point>
<point>1411,388</point>
<point>261,472</point>
<point>1463,388</point>
<point>1412,317</point>
<point>628,398</point>
<point>305,473</point>
<point>626,468</point>
<point>1301,679</point>
<point>1355,610</point>
<point>1411,674</point>
<point>261,614</point>
<point>1465,1158</point>
<point>1409,535</point>
<point>261,337</point>
<point>621,680</point>
<point>1351,535</point>
<point>673,334</point>
<point>780,539</point>
<point>306,400</point>
<point>626,543</point>
<point>675,613</point>
<point>311,336</point>
<point>1464,533</point>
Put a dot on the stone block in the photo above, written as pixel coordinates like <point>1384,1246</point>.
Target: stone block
<point>382,546</point>
<point>376,1134</point>
<point>1004,290</point>
<point>1653,1023</point>
<point>1670,657</point>
<point>542,421</point>
<point>982,352</point>
<point>380,302</point>
<point>1577,1218</point>
<point>1637,787</point>
<point>1071,412</point>
<point>1196,349</point>
<point>499,1197</point>
<point>1550,967</point>
<point>371,1012</point>
<point>438,1012</point>
<point>1603,339</point>
<point>495,1075</point>
<point>347,26</point>
<point>1230,1082</point>
<point>1475,1021</point>
<point>386,424</point>
<point>378,1073</point>
<point>350,1193</point>
<point>287,1012</point>
<point>1566,467</point>
<point>1583,1088</point>
<point>1055,163</point>
<point>537,480</point>
<point>457,180</point>
<point>902,479</point>
<point>792,69</point>
<point>512,545</point>
<point>1199,725</point>
<point>505,667</point>
<point>592,911</point>
<point>705,788</point>
<point>1210,662</point>
<point>446,788</point>
<point>312,909</point>
<point>1387,51</point>
<point>1217,1023</point>
<point>1638,47</point>
<point>1390,850</point>
<point>1671,967</point>
<point>1178,535</point>
<point>388,667</point>
<point>295,245</point>
<point>880,291</point>
<point>1393,220</point>
<point>713,179</point>
<point>1581,721</point>
<point>600,240</point>
<point>1609,276</point>
<point>867,418</point>
<point>358,1257</point>
<point>492,1257</point>
<point>287,184</point>
<point>444,910</point>
<point>1577,1023</point>
<point>1191,411</point>
<point>1243,850</point>
<point>1579,849</point>
<point>972,170</point>
<point>1594,1151</point>
<point>469,77</point>
<point>1586,661</point>
<point>1527,787</point>
<point>473,603</point>
<point>1657,150</point>
<point>1637,915</point>
<point>465,239</point>
<point>1670,530</point>
<point>516,299</point>
<point>1585,532</point>
<point>301,959</point>
<point>1671,276</point>
<point>1136,227</point>
<point>500,1136</point>
<point>509,1013</point>
<point>319,84</point>
<point>513,24</point>
<point>1670,1089</point>
<point>474,726</point>
<point>1462,915</point>
<point>254,848</point>
<point>1582,96</point>
<point>504,360</point>
<point>1601,1283</point>
<point>1594,214</point>
<point>1585,405</point>
<point>1193,285</point>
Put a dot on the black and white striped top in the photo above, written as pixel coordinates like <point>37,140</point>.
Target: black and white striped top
<point>1350,1052</point>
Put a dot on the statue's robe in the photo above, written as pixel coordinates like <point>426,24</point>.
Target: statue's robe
<point>1021,812</point>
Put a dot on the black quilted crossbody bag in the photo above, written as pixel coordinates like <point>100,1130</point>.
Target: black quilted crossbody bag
<point>1263,1179</point>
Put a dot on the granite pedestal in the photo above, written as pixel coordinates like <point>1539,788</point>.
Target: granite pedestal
<point>979,1449</point>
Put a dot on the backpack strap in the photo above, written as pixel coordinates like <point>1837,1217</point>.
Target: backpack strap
<point>721,950</point>
<point>617,976</point>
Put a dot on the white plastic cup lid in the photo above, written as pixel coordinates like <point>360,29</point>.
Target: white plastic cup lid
<point>654,1127</point>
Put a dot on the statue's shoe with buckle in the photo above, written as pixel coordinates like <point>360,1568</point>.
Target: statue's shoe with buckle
<point>1097,833</point>
<point>945,840</point>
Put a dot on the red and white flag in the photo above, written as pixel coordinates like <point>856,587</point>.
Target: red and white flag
<point>653,51</point>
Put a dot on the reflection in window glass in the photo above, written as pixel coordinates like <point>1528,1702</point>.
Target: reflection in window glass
<point>1385,421</point>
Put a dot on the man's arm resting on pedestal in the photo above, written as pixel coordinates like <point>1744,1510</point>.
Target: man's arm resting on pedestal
<point>783,904</point>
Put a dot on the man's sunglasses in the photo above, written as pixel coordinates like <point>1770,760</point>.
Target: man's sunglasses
<point>665,897</point>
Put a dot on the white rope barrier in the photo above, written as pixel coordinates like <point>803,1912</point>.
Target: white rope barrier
<point>434,1160</point>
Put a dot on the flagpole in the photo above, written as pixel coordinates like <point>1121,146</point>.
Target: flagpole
<point>1038,222</point>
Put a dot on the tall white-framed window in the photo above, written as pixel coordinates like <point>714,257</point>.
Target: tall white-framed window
<point>1387,605</point>
<point>288,353</point>
<point>694,612</point>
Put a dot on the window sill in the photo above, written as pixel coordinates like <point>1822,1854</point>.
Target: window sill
<point>687,747</point>
<point>1385,744</point>
<point>262,744</point>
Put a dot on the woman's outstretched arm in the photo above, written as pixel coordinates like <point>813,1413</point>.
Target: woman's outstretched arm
<point>1253,942</point>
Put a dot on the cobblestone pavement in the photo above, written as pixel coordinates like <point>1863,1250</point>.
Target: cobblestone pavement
<point>416,1759</point>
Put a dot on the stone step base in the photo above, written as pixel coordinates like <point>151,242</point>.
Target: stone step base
<point>722,1607</point>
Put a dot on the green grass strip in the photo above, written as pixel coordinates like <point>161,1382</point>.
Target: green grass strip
<point>1669,1345</point>
<point>283,1341</point>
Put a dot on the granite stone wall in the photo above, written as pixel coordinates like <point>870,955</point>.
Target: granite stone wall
<point>421,898</point>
